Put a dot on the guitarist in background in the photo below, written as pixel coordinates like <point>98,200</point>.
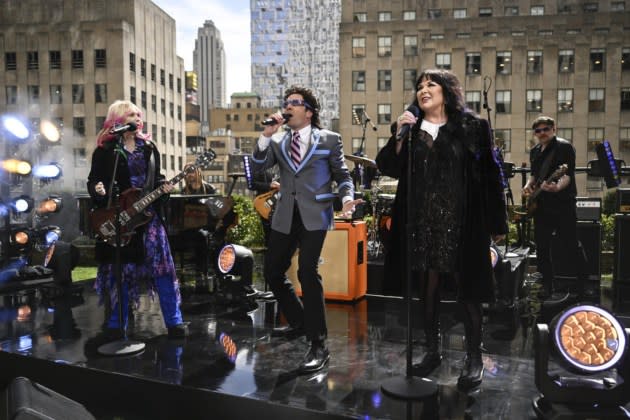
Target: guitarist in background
<point>147,257</point>
<point>262,182</point>
<point>555,205</point>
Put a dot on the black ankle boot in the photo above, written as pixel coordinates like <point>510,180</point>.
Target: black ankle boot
<point>430,361</point>
<point>472,373</point>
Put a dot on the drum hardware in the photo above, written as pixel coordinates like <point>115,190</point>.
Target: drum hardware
<point>361,160</point>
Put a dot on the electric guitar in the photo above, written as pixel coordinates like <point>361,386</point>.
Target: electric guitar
<point>133,208</point>
<point>556,175</point>
<point>265,203</point>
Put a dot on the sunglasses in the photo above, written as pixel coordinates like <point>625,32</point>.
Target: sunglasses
<point>542,130</point>
<point>296,102</point>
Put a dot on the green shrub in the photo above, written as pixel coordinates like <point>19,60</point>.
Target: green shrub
<point>248,231</point>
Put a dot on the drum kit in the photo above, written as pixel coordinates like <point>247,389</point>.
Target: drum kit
<point>382,193</point>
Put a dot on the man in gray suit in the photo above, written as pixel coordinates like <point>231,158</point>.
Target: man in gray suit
<point>309,159</point>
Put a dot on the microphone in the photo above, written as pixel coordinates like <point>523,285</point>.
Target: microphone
<point>369,120</point>
<point>405,128</point>
<point>271,121</point>
<point>116,130</point>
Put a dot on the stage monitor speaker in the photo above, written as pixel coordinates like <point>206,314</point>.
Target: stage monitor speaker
<point>623,200</point>
<point>621,271</point>
<point>28,400</point>
<point>342,263</point>
<point>589,235</point>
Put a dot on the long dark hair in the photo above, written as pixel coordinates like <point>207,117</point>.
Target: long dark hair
<point>454,104</point>
<point>309,98</point>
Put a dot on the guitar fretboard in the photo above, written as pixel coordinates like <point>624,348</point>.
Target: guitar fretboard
<point>145,201</point>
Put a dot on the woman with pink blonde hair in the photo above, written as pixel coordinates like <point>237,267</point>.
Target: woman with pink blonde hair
<point>147,257</point>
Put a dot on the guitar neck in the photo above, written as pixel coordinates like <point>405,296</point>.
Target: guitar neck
<point>146,201</point>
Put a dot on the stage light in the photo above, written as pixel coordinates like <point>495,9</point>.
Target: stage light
<point>14,128</point>
<point>51,204</point>
<point>49,131</point>
<point>20,241</point>
<point>47,172</point>
<point>16,166</point>
<point>238,260</point>
<point>588,341</point>
<point>48,235</point>
<point>22,204</point>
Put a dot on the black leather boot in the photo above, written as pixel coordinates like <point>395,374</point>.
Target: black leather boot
<point>472,373</point>
<point>432,358</point>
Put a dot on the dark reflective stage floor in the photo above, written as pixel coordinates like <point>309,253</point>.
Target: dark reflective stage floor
<point>230,351</point>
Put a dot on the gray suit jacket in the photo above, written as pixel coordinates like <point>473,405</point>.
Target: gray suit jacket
<point>310,184</point>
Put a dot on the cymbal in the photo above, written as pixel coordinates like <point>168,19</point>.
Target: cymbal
<point>361,160</point>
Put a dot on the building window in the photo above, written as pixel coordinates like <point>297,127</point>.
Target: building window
<point>596,100</point>
<point>235,117</point>
<point>100,58</point>
<point>410,45</point>
<point>384,80</point>
<point>625,59</point>
<point>565,100</point>
<point>537,10</point>
<point>99,122</point>
<point>356,144</point>
<point>504,101</point>
<point>80,157</point>
<point>384,16</point>
<point>78,125</point>
<point>504,62</point>
<point>503,139</point>
<point>11,95</point>
<point>77,94</point>
<point>434,13</point>
<point>360,17</point>
<point>171,109</point>
<point>143,99</point>
<point>473,64</point>
<point>358,80</point>
<point>32,60</point>
<point>384,46</point>
<point>594,136</point>
<point>77,59</point>
<point>55,94</point>
<point>518,33</point>
<point>153,70</point>
<point>143,67</point>
<point>154,132</point>
<point>510,11</point>
<point>162,77</point>
<point>10,61</point>
<point>100,93</point>
<point>228,117</point>
<point>54,60</point>
<point>170,81</point>
<point>565,133</point>
<point>534,62</point>
<point>485,11</point>
<point>597,59</point>
<point>163,135</point>
<point>163,106</point>
<point>534,100</point>
<point>172,136</point>
<point>357,109</point>
<point>625,99</point>
<point>153,103</point>
<point>179,112</point>
<point>437,36</point>
<point>617,6</point>
<point>172,162</point>
<point>459,13</point>
<point>566,61</point>
<point>163,159</point>
<point>473,100</point>
<point>384,113</point>
<point>410,77</point>
<point>132,62</point>
<point>358,47</point>
<point>381,142</point>
<point>33,94</point>
<point>589,7</point>
<point>409,15</point>
<point>462,35</point>
<point>442,61</point>
<point>179,138</point>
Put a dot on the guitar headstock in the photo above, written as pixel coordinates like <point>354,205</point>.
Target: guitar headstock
<point>205,158</point>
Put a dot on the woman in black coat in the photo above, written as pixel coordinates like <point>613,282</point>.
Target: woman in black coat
<point>458,207</point>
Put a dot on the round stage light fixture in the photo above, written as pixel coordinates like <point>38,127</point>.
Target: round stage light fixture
<point>16,166</point>
<point>51,204</point>
<point>49,131</point>
<point>22,204</point>
<point>47,172</point>
<point>226,259</point>
<point>14,128</point>
<point>237,260</point>
<point>589,338</point>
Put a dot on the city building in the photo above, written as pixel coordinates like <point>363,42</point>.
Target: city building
<point>209,65</point>
<point>296,43</point>
<point>566,59</point>
<point>68,64</point>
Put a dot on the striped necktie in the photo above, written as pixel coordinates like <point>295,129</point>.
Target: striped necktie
<point>296,156</point>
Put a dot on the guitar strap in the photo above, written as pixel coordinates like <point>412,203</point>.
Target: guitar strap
<point>544,168</point>
<point>148,185</point>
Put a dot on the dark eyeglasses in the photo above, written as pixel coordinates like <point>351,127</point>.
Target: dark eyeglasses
<point>542,130</point>
<point>296,102</point>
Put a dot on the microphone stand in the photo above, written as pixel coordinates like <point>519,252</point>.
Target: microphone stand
<point>123,346</point>
<point>409,387</point>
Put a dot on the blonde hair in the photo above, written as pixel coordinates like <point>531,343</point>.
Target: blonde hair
<point>117,114</point>
<point>189,187</point>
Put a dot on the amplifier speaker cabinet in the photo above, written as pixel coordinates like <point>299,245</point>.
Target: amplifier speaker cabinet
<point>589,208</point>
<point>342,263</point>
<point>621,266</point>
<point>623,200</point>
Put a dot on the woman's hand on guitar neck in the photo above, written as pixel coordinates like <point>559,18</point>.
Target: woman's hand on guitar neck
<point>275,185</point>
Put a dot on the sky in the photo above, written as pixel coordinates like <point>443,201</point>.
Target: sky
<point>231,18</point>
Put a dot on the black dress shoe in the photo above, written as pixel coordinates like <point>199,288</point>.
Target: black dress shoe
<point>315,359</point>
<point>472,373</point>
<point>178,331</point>
<point>287,332</point>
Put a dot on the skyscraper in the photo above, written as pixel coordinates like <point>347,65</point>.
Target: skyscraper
<point>209,64</point>
<point>296,43</point>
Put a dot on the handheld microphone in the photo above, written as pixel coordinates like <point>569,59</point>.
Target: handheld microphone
<point>271,121</point>
<point>405,129</point>
<point>123,128</point>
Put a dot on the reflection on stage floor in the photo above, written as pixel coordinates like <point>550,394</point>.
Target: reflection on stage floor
<point>230,355</point>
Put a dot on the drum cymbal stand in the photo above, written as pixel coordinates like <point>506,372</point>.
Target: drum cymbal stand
<point>375,246</point>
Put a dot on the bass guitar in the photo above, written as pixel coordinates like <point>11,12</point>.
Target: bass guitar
<point>133,208</point>
<point>265,203</point>
<point>531,200</point>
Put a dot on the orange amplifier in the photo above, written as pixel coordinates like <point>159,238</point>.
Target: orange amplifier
<point>342,263</point>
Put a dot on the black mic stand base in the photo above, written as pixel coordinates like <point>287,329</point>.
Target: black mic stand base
<point>409,388</point>
<point>124,347</point>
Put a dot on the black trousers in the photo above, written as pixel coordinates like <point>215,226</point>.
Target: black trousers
<point>564,224</point>
<point>311,311</point>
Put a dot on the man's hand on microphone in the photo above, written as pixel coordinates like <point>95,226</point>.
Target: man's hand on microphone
<point>270,130</point>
